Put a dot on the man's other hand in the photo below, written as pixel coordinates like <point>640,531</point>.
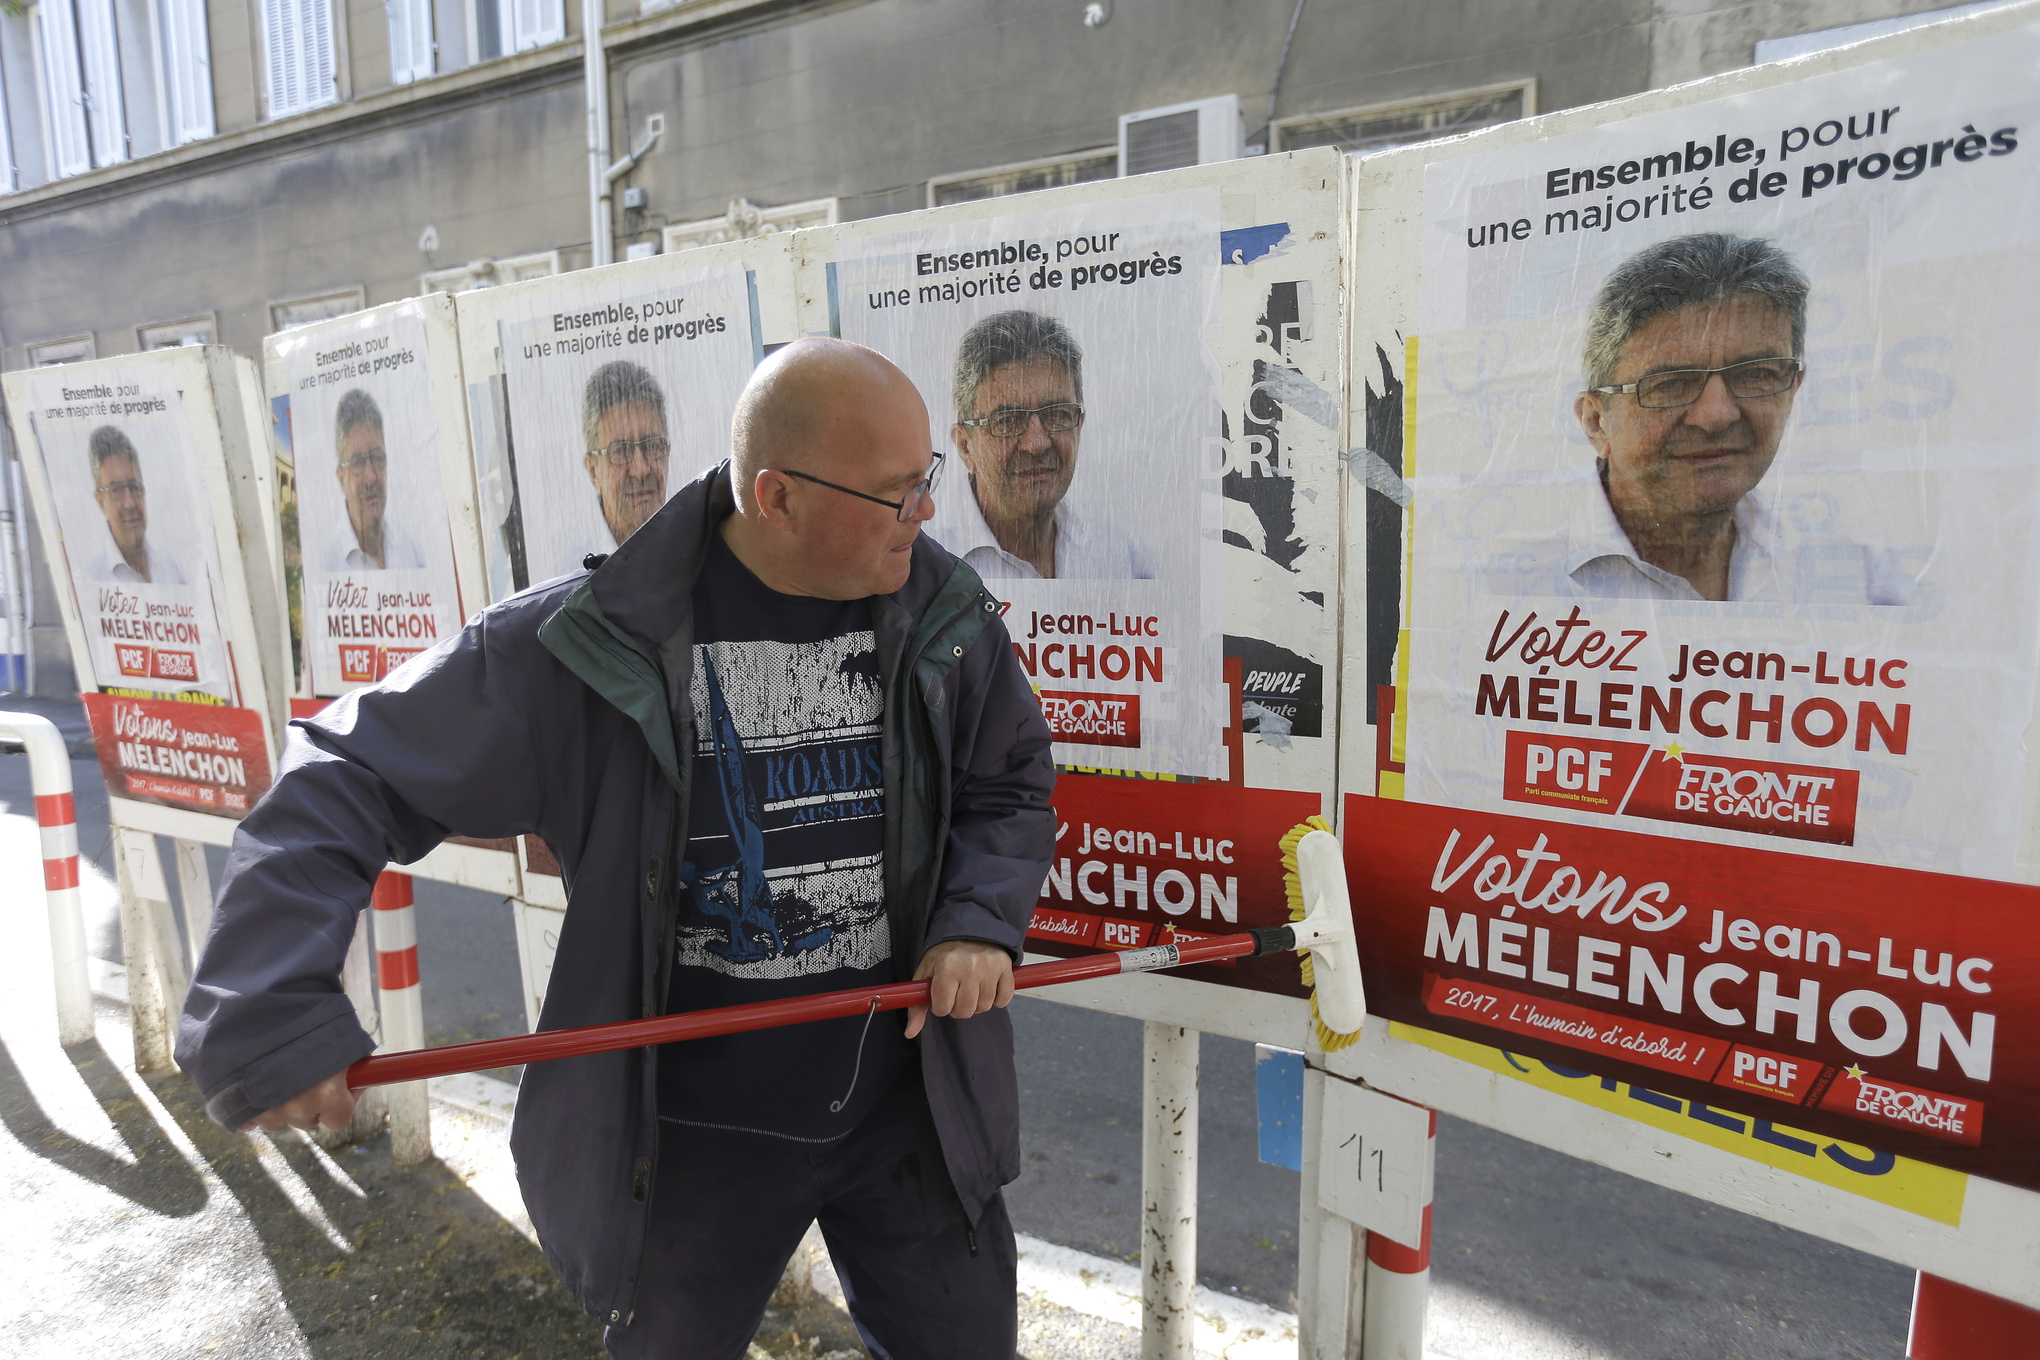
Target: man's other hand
<point>329,1103</point>
<point>965,977</point>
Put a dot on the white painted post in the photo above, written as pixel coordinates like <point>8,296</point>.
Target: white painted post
<point>1168,1180</point>
<point>194,885</point>
<point>403,1013</point>
<point>1375,1168</point>
<point>156,974</point>
<point>56,815</point>
<point>1331,1258</point>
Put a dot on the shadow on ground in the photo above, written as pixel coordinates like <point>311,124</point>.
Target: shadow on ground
<point>429,1270</point>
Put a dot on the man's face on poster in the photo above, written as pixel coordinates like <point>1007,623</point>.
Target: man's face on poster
<point>628,465</point>
<point>1703,457</point>
<point>364,480</point>
<point>117,486</point>
<point>1023,475</point>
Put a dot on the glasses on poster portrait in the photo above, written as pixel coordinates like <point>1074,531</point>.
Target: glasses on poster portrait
<point>656,449</point>
<point>907,507</point>
<point>122,491</point>
<point>1748,380</point>
<point>1012,422</point>
<point>375,460</point>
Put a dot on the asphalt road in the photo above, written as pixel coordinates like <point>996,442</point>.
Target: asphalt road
<point>1535,1254</point>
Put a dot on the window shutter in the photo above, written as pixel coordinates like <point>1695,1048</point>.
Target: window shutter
<point>299,59</point>
<point>411,47</point>
<point>64,88</point>
<point>187,70</point>
<point>9,180</point>
<point>100,44</point>
<point>538,22</point>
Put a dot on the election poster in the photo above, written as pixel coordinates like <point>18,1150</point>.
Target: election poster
<point>117,452</point>
<point>373,532</point>
<point>132,514</point>
<point>616,389</point>
<point>1705,763</point>
<point>1073,394</point>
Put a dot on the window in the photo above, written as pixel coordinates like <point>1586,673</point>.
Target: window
<point>288,316</point>
<point>80,54</point>
<point>10,174</point>
<point>45,353</point>
<point>1377,126</point>
<point>465,278</point>
<point>746,219</point>
<point>297,57</point>
<point>1800,44</point>
<point>413,54</point>
<point>500,27</point>
<point>187,70</point>
<point>1081,167</point>
<point>195,330</point>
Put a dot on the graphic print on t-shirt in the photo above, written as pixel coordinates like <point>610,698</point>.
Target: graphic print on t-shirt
<point>792,733</point>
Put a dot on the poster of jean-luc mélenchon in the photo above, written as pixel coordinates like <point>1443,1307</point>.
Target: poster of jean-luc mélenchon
<point>379,583</point>
<point>1066,361</point>
<point>1725,441</point>
<point>619,391</point>
<point>1720,659</point>
<point>136,528</point>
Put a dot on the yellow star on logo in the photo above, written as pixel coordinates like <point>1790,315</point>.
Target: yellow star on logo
<point>1855,1072</point>
<point>1676,752</point>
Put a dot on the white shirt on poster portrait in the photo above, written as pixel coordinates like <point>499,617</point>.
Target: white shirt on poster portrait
<point>111,566</point>
<point>343,554</point>
<point>1085,548</point>
<point>1595,560</point>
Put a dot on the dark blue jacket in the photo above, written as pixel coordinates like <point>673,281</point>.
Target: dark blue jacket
<point>562,713</point>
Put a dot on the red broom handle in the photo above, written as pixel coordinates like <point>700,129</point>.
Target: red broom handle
<point>423,1063</point>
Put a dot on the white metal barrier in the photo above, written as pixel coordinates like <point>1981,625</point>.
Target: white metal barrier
<point>49,764</point>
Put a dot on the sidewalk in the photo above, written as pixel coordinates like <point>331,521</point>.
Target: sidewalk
<point>138,1228</point>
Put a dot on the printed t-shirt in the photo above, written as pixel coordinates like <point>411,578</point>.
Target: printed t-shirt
<point>782,891</point>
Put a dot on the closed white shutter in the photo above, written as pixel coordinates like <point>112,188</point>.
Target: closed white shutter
<point>9,180</point>
<point>64,88</point>
<point>187,70</point>
<point>298,36</point>
<point>538,22</point>
<point>99,41</point>
<point>411,45</point>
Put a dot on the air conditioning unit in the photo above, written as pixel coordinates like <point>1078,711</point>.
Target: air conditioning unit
<point>1195,133</point>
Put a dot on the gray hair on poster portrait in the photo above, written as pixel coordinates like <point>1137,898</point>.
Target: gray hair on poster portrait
<point>355,410</point>
<point>1014,337</point>
<point>1709,267</point>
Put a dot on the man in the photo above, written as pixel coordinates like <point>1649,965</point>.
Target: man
<point>1019,392</point>
<point>363,467</point>
<point>117,489</point>
<point>1694,353</point>
<point>780,745</point>
<point>623,424</point>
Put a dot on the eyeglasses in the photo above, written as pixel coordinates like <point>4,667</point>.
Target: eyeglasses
<point>1059,418</point>
<point>906,508</point>
<point>375,459</point>
<point>1682,387</point>
<point>655,447</point>
<point>120,491</point>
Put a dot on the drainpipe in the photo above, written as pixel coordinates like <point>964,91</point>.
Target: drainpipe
<point>595,64</point>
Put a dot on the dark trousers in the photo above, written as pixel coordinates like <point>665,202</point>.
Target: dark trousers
<point>921,1281</point>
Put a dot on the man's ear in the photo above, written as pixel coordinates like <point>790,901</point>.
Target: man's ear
<point>588,462</point>
<point>769,493</point>
<point>1592,414</point>
<point>961,438</point>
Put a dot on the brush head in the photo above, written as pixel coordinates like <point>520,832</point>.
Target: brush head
<point>1327,931</point>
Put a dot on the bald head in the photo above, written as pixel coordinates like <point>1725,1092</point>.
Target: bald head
<point>823,406</point>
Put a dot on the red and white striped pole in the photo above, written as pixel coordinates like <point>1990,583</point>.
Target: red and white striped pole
<point>1951,1321</point>
<point>1399,1283</point>
<point>56,815</point>
<point>403,1013</point>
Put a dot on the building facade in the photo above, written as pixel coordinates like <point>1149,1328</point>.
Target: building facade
<point>185,171</point>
